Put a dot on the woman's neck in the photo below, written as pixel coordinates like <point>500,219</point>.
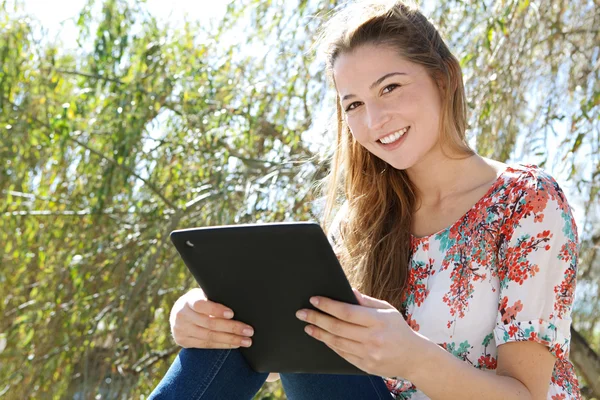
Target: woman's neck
<point>442,178</point>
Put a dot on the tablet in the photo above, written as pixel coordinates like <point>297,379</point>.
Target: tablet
<point>265,273</point>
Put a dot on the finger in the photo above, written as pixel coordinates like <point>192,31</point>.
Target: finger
<point>333,325</point>
<point>195,343</point>
<point>225,338</point>
<point>203,334</point>
<point>333,341</point>
<point>371,302</point>
<point>188,328</point>
<point>357,315</point>
<point>205,306</point>
<point>217,324</point>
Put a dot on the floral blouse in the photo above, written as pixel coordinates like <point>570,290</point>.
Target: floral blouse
<point>504,272</point>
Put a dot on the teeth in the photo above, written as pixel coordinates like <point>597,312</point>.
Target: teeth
<point>391,138</point>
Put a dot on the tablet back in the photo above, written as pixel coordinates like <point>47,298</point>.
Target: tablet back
<point>265,273</point>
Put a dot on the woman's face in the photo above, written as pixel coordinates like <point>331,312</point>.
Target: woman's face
<point>391,105</point>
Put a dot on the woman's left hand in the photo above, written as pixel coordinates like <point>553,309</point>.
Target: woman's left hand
<point>373,335</point>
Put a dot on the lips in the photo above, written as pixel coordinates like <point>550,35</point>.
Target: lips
<point>393,138</point>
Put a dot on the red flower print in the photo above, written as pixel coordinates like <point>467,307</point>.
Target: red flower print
<point>518,306</point>
<point>565,292</point>
<point>416,288</point>
<point>515,265</point>
<point>517,248</point>
<point>487,362</point>
<point>412,323</point>
<point>558,351</point>
<point>509,313</point>
<point>544,234</point>
<point>461,290</point>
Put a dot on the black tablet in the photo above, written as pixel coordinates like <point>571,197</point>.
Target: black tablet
<point>265,273</point>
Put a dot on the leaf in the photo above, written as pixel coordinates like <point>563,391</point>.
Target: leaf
<point>27,339</point>
<point>523,5</point>
<point>465,59</point>
<point>578,142</point>
<point>489,37</point>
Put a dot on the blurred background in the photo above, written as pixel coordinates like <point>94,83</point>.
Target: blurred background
<point>121,120</point>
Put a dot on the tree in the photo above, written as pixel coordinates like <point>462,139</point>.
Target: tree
<point>148,128</point>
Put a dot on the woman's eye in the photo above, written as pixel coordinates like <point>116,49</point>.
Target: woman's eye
<point>390,87</point>
<point>387,89</point>
<point>352,106</point>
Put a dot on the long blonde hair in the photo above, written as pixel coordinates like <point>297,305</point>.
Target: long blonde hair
<point>375,229</point>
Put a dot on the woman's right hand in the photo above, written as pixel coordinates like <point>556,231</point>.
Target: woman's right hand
<point>197,322</point>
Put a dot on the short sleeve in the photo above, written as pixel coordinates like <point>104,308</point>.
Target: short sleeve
<point>537,265</point>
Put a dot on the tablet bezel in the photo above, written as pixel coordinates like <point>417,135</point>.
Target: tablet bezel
<point>285,264</point>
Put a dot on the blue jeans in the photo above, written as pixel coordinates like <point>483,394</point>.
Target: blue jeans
<point>224,374</point>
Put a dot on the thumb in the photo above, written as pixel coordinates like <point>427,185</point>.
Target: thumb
<point>371,302</point>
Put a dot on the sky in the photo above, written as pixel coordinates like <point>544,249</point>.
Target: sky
<point>51,12</point>
<point>60,16</point>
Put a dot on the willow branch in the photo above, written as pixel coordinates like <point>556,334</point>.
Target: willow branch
<point>105,157</point>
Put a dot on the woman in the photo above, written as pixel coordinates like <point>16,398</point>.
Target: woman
<point>464,267</point>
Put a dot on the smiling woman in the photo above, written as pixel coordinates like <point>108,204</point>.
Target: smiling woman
<point>398,107</point>
<point>463,267</point>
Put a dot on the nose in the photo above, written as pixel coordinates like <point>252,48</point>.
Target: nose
<point>377,117</point>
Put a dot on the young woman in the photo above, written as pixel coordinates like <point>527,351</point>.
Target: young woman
<point>464,267</point>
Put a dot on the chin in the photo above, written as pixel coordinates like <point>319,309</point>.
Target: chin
<point>400,165</point>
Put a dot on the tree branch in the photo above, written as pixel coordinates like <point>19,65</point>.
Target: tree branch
<point>152,358</point>
<point>91,76</point>
<point>107,158</point>
<point>586,360</point>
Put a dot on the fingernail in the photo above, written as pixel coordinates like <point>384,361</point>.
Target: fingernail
<point>248,332</point>
<point>301,315</point>
<point>228,314</point>
<point>314,301</point>
<point>246,342</point>
<point>308,330</point>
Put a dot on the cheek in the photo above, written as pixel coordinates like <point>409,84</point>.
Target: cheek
<point>413,103</point>
<point>362,137</point>
<point>425,110</point>
<point>357,129</point>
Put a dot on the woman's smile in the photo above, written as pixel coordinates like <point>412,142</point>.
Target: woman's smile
<point>393,140</point>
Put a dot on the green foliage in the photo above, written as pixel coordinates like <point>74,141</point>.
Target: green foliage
<point>148,128</point>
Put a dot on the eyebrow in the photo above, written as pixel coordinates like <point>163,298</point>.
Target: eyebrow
<point>377,82</point>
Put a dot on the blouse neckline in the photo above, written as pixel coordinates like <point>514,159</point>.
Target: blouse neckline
<point>489,192</point>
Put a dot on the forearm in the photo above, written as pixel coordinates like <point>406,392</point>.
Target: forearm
<point>440,375</point>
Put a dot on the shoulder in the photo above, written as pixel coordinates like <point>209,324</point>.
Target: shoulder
<point>527,174</point>
<point>535,200</point>
<point>512,181</point>
<point>528,184</point>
